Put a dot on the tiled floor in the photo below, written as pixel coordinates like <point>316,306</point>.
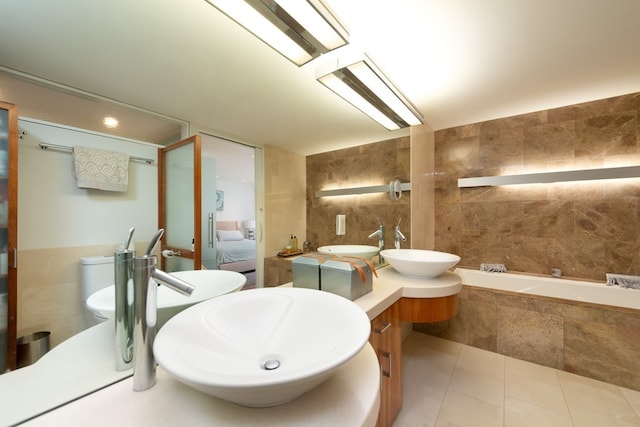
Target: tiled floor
<point>446,384</point>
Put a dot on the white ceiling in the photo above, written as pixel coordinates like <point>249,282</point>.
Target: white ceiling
<point>458,61</point>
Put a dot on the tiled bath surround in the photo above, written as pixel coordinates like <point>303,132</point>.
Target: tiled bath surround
<point>371,164</point>
<point>584,229</point>
<point>594,341</point>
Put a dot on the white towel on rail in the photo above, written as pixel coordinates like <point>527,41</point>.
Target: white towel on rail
<point>101,169</point>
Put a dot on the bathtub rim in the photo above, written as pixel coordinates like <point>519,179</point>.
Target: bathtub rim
<point>576,290</point>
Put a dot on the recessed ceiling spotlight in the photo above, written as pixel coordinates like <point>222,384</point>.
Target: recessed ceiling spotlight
<point>110,122</point>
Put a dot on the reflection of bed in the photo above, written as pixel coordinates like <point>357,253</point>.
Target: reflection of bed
<point>233,252</point>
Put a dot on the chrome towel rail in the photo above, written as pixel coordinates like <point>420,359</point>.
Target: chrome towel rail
<point>67,149</point>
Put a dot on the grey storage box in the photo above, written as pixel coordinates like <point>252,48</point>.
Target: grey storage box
<point>306,271</point>
<point>350,278</point>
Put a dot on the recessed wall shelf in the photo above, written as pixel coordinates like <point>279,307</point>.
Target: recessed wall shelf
<point>549,177</point>
<point>394,187</point>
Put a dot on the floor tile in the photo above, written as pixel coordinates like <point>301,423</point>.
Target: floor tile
<point>523,414</point>
<point>447,384</point>
<point>444,423</point>
<point>417,410</point>
<point>487,389</point>
<point>531,370</point>
<point>595,403</point>
<point>482,362</point>
<point>543,391</point>
<point>633,397</point>
<point>468,411</point>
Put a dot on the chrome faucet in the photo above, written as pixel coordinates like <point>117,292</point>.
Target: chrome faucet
<point>379,233</point>
<point>398,235</point>
<point>123,281</point>
<point>145,281</point>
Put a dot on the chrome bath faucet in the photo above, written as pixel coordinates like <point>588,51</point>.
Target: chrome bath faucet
<point>145,282</point>
<point>398,236</point>
<point>379,233</point>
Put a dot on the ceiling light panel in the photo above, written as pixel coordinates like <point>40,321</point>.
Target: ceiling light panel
<point>363,85</point>
<point>300,30</point>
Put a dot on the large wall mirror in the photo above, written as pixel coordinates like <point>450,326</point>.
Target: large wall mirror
<point>58,224</point>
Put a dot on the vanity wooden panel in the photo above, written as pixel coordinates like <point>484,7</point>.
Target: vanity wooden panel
<point>427,310</point>
<point>386,340</point>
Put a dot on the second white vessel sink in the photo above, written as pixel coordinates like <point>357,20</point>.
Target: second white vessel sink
<point>262,347</point>
<point>208,284</point>
<point>419,263</point>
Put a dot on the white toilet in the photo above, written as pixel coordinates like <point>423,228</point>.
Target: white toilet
<point>97,272</point>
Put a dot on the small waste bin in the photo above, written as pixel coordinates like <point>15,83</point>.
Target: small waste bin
<point>32,347</point>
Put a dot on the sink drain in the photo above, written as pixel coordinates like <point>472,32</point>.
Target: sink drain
<point>271,364</point>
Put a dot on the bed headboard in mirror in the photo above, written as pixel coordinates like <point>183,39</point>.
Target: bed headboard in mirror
<point>227,225</point>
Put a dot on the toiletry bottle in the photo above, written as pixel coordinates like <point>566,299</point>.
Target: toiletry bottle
<point>295,243</point>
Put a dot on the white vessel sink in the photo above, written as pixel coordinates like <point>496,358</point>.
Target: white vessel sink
<point>208,283</point>
<point>262,347</point>
<point>362,251</point>
<point>419,263</point>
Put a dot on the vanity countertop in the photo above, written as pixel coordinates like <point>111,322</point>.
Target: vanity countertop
<point>350,397</point>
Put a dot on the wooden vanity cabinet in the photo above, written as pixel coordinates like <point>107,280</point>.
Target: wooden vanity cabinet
<point>386,340</point>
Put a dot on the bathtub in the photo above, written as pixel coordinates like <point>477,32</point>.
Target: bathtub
<point>567,289</point>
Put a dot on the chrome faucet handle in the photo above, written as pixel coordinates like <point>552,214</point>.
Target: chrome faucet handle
<point>398,234</point>
<point>128,238</point>
<point>154,241</point>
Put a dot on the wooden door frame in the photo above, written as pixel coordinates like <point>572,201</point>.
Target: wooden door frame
<point>194,253</point>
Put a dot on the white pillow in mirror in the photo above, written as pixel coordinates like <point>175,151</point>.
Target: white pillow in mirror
<point>227,235</point>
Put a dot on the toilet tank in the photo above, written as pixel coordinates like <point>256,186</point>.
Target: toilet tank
<point>96,272</point>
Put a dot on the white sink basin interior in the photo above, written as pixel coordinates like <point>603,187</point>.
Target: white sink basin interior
<point>208,283</point>
<point>419,263</point>
<point>262,347</point>
<point>362,251</point>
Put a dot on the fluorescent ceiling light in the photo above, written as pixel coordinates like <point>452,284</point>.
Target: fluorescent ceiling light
<point>301,30</point>
<point>549,177</point>
<point>363,85</point>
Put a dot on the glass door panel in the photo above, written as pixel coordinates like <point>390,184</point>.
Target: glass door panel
<point>179,204</point>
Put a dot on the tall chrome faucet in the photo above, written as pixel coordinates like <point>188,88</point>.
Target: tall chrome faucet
<point>145,280</point>
<point>398,235</point>
<point>123,281</point>
<point>379,233</point>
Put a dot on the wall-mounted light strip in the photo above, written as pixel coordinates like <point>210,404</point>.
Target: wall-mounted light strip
<point>549,177</point>
<point>392,187</point>
<point>361,83</point>
<point>300,30</point>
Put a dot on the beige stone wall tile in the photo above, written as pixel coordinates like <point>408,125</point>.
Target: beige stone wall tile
<point>586,229</point>
<point>285,196</point>
<point>604,352</point>
<point>370,164</point>
<point>595,341</point>
<point>607,135</point>
<point>531,336</point>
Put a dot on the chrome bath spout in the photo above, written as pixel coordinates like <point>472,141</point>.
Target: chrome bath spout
<point>123,283</point>
<point>398,236</point>
<point>145,280</point>
<point>379,233</point>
